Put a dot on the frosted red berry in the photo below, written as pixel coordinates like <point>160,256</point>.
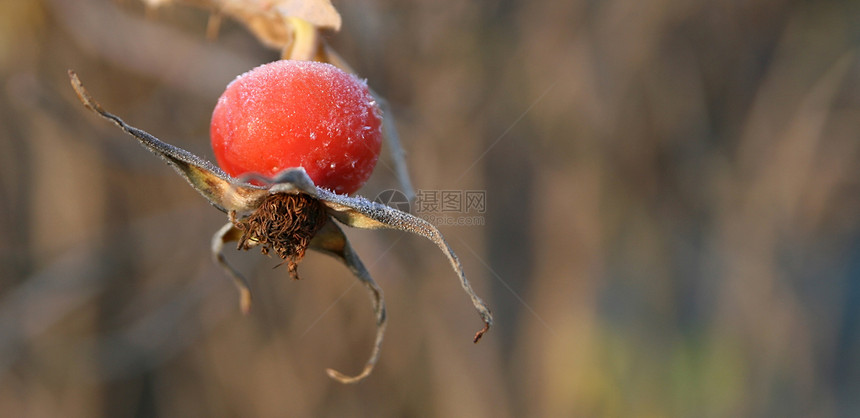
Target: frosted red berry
<point>298,114</point>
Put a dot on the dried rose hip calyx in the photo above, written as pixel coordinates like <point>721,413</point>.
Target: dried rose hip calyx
<point>263,212</point>
<point>285,223</point>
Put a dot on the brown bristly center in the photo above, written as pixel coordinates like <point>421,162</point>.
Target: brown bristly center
<point>285,223</point>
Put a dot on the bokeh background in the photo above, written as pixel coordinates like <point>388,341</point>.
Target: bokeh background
<point>672,229</point>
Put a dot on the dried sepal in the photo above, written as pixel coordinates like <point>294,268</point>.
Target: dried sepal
<point>331,240</point>
<point>290,180</point>
<point>361,213</point>
<point>229,233</point>
<point>220,189</point>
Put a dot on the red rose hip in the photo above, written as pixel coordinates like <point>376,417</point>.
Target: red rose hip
<point>298,114</point>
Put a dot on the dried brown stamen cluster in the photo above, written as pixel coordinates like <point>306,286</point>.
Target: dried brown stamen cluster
<point>285,223</point>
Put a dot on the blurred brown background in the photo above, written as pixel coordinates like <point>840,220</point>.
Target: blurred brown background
<point>671,227</point>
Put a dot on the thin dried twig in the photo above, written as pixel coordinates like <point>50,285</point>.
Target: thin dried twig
<point>389,128</point>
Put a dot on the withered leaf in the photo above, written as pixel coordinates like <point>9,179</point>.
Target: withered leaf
<point>268,20</point>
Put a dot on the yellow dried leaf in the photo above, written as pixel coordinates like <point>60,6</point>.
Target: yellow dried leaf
<point>269,20</point>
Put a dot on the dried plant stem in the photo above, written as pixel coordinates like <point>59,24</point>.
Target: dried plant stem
<point>305,41</point>
<point>389,129</point>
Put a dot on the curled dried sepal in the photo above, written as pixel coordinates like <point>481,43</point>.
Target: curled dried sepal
<point>361,213</point>
<point>331,240</point>
<point>229,233</point>
<point>220,189</point>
